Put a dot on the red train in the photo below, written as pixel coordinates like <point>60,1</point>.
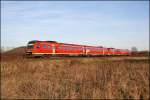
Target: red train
<point>53,48</point>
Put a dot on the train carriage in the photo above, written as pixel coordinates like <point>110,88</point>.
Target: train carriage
<point>70,49</point>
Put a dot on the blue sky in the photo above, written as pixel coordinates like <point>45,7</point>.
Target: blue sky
<point>119,24</point>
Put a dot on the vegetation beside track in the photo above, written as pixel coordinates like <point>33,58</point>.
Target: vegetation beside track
<point>74,77</point>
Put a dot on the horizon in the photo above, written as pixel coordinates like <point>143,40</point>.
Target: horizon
<point>117,24</point>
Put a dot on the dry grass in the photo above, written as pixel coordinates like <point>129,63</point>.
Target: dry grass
<point>84,78</point>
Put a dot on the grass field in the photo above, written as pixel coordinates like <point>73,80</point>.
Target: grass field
<point>68,78</point>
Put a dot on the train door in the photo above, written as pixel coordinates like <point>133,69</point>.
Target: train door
<point>53,49</point>
<point>83,50</point>
<point>101,51</point>
<point>87,51</point>
<point>105,51</point>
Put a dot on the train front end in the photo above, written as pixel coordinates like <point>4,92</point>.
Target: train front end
<point>29,49</point>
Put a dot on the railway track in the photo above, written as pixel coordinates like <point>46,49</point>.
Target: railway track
<point>111,58</point>
<point>19,57</point>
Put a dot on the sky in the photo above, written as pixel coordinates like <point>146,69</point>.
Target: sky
<point>118,24</point>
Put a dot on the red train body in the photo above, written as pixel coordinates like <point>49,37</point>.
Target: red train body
<point>43,48</point>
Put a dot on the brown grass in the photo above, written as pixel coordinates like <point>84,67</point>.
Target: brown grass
<point>68,78</point>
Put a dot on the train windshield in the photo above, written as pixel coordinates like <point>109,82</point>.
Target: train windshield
<point>30,46</point>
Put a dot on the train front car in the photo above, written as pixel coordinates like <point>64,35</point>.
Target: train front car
<point>30,47</point>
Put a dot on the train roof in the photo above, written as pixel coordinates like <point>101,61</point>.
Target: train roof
<point>111,48</point>
<point>33,41</point>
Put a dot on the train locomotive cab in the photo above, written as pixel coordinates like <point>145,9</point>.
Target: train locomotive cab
<point>40,48</point>
<point>30,47</point>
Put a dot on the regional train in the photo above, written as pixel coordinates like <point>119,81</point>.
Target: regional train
<point>37,48</point>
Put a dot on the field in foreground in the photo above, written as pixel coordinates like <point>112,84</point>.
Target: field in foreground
<point>84,78</point>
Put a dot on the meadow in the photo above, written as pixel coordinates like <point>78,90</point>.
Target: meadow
<point>74,77</point>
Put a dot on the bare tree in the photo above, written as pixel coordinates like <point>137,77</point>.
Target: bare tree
<point>1,49</point>
<point>134,49</point>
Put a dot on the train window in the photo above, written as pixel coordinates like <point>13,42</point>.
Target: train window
<point>48,46</point>
<point>38,46</point>
<point>73,48</point>
<point>70,48</point>
<point>64,48</point>
<point>30,46</point>
<point>60,47</point>
<point>53,47</point>
<point>44,46</point>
